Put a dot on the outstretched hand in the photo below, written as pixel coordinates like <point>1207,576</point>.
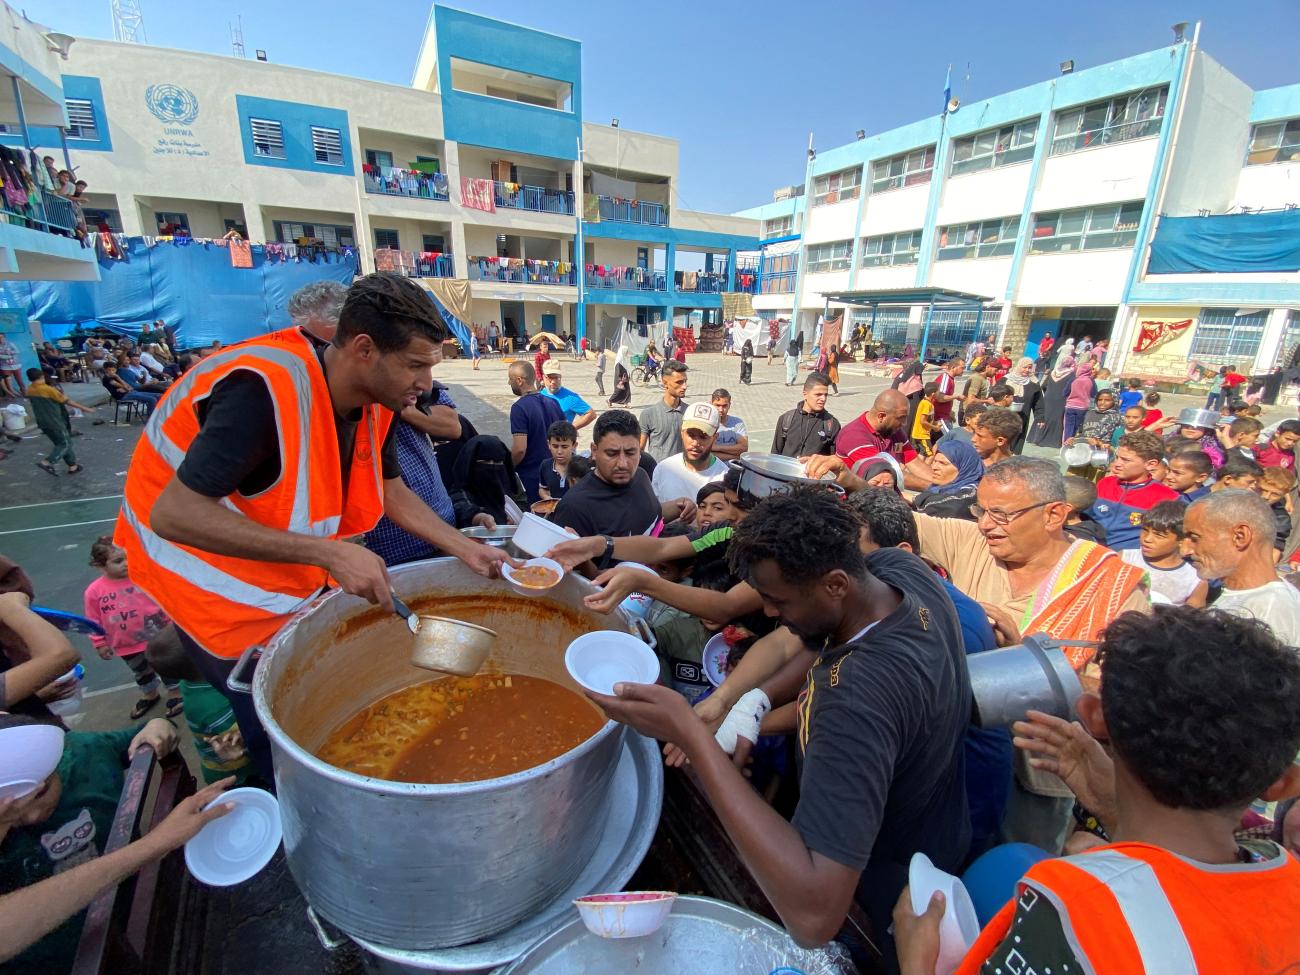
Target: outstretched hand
<point>190,816</point>
<point>656,712</point>
<point>616,585</point>
<point>1066,749</point>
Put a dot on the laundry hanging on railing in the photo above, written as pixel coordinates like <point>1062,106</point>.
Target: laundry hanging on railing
<point>477,194</point>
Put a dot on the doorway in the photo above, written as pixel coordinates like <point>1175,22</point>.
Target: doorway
<point>513,324</point>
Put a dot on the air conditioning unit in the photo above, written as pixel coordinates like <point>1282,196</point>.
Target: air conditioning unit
<point>787,193</point>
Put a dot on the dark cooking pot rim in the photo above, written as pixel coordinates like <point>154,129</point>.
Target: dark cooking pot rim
<point>385,786</point>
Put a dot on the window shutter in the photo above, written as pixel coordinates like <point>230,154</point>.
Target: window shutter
<point>81,118</point>
<point>328,145</point>
<point>268,138</point>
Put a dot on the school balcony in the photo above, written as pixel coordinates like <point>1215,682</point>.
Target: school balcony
<point>606,277</point>
<point>414,264</point>
<point>393,181</point>
<point>514,270</point>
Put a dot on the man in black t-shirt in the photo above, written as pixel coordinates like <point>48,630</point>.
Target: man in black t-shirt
<point>881,720</point>
<point>616,499</point>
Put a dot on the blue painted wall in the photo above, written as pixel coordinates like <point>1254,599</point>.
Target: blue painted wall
<point>45,137</point>
<point>296,120</point>
<point>610,230</point>
<point>1276,103</point>
<point>497,123</point>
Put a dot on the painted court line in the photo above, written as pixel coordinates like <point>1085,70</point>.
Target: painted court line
<point>44,504</point>
<point>68,524</point>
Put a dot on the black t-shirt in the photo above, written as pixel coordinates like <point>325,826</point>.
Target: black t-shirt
<point>238,445</point>
<point>881,725</point>
<point>592,507</point>
<point>556,484</point>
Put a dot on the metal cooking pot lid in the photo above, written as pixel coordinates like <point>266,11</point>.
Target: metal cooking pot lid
<point>778,466</point>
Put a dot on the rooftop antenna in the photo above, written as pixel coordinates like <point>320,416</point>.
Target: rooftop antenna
<point>237,38</point>
<point>128,22</point>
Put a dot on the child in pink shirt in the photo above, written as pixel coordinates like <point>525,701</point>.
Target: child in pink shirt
<point>129,619</point>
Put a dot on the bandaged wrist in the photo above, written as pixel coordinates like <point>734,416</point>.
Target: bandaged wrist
<point>743,720</point>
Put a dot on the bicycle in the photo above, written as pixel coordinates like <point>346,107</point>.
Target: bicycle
<point>643,378</point>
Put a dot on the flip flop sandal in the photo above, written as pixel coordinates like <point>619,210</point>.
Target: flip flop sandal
<point>142,706</point>
<point>48,469</point>
<point>175,706</point>
<point>75,469</point>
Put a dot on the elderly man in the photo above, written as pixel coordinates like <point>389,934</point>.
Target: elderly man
<point>880,430</point>
<point>1033,578</point>
<point>315,308</point>
<point>1229,536</point>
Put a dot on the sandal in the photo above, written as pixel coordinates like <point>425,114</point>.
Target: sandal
<point>142,706</point>
<point>175,706</point>
<point>75,469</point>
<point>47,468</point>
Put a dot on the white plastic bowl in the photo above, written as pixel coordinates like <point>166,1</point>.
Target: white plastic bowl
<point>632,914</point>
<point>508,574</point>
<point>604,658</point>
<point>235,847</point>
<point>960,926</point>
<point>28,754</point>
<point>537,536</point>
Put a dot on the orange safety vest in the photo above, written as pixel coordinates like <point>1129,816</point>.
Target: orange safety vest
<point>226,603</point>
<point>1135,909</point>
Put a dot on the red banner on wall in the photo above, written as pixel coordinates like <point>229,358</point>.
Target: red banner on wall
<point>1156,333</point>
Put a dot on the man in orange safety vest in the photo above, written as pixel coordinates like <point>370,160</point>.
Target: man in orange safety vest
<point>1199,709</point>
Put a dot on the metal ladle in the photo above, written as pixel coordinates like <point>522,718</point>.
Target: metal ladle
<point>446,645</point>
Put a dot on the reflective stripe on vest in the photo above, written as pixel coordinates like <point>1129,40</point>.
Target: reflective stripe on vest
<point>1161,943</point>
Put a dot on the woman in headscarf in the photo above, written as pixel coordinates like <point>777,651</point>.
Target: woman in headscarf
<point>747,362</point>
<point>1078,398</point>
<point>793,350</point>
<point>833,369</point>
<point>1049,430</point>
<point>622,381</point>
<point>955,472</point>
<point>910,381</point>
<point>884,471</point>
<point>1028,396</point>
<point>1064,351</point>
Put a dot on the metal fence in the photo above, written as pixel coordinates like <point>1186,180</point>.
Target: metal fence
<point>538,199</point>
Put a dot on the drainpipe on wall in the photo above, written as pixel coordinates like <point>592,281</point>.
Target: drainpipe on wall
<point>803,234</point>
<point>579,248</point>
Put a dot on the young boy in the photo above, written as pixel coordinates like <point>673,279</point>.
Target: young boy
<point>1081,494</point>
<point>1238,473</point>
<point>1275,487</point>
<point>561,438</point>
<point>1176,891</point>
<point>1280,449</point>
<point>216,733</point>
<point>1130,489</point>
<point>1173,579</point>
<point>1002,395</point>
<point>1132,396</point>
<point>1133,420</point>
<point>1239,441</point>
<point>50,410</point>
<point>924,427</point>
<point>1189,469</point>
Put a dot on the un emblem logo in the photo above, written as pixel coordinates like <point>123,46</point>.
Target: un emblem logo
<point>172,104</point>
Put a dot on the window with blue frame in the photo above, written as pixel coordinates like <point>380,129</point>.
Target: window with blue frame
<point>81,118</point>
<point>891,249</point>
<point>268,138</point>
<point>890,326</point>
<point>1228,335</point>
<point>984,238</point>
<point>1135,116</point>
<point>995,147</point>
<point>835,255</point>
<point>956,328</point>
<point>1274,142</point>
<point>1088,228</point>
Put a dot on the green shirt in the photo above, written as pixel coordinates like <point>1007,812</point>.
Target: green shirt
<point>216,733</point>
<point>91,773</point>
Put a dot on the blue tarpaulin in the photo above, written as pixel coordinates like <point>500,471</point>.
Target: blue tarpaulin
<point>1242,242</point>
<point>192,287</point>
<point>458,328</point>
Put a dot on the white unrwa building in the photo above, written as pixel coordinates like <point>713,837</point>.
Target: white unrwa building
<point>1152,201</point>
<point>472,172</point>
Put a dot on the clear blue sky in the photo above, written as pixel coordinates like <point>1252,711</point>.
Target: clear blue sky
<point>742,85</point>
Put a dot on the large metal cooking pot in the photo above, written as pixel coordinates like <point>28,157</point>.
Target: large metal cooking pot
<point>762,475</point>
<point>428,866</point>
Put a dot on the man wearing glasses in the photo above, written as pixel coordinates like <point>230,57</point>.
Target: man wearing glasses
<point>1031,577</point>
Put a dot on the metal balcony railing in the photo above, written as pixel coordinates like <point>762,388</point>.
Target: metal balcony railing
<point>627,279</point>
<point>633,211</point>
<point>538,199</point>
<point>49,212</point>
<point>510,270</point>
<point>391,181</point>
<point>414,264</point>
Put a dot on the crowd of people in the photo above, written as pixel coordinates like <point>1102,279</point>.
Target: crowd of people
<point>838,739</point>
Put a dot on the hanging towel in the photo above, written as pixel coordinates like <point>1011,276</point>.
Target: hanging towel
<point>241,254</point>
<point>477,194</point>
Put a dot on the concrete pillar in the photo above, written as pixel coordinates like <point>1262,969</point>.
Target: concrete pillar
<point>255,223</point>
<point>1121,338</point>
<point>128,209</point>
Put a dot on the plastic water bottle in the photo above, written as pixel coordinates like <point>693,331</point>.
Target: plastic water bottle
<point>72,704</point>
